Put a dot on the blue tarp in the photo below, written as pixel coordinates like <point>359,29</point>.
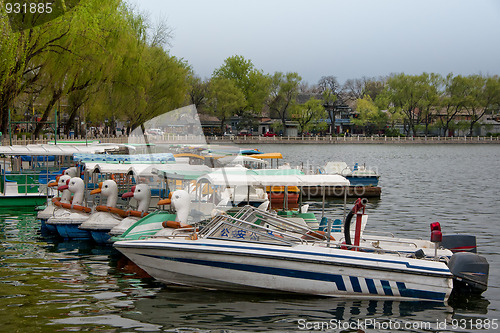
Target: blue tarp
<point>158,157</point>
<point>28,158</point>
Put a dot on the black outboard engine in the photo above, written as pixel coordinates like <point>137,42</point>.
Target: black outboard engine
<point>460,243</point>
<point>470,272</point>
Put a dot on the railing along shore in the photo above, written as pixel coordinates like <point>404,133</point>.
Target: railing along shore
<point>179,139</point>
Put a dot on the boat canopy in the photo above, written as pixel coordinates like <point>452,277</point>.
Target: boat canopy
<point>279,172</point>
<point>250,178</point>
<point>241,159</point>
<point>157,157</point>
<point>267,155</point>
<point>182,172</point>
<point>190,155</point>
<point>55,150</point>
<point>141,169</point>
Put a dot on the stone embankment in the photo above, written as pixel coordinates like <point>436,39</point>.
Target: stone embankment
<point>189,139</point>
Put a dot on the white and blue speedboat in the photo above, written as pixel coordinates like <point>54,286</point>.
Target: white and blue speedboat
<point>277,255</point>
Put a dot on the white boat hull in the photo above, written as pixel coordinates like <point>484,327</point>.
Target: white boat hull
<point>101,221</point>
<point>299,269</point>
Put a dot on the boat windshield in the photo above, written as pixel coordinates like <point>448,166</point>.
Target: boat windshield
<point>251,224</point>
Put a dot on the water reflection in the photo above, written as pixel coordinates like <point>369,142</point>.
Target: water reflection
<point>195,309</point>
<point>47,285</point>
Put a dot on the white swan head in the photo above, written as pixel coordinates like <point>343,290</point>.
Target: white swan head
<point>108,189</point>
<point>181,202</point>
<point>76,186</point>
<point>72,172</point>
<point>61,181</point>
<point>141,193</point>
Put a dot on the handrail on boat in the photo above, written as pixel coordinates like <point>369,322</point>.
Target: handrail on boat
<point>210,230</point>
<point>385,240</point>
<point>369,249</point>
<point>378,232</point>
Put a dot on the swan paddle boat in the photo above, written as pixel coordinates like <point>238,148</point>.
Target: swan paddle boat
<point>69,216</point>
<point>105,217</point>
<point>48,212</point>
<point>142,194</point>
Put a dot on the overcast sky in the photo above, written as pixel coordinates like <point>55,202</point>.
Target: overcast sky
<point>348,39</point>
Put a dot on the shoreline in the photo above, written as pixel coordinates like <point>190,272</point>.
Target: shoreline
<point>190,139</point>
<point>356,140</point>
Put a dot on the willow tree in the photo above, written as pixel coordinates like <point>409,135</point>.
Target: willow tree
<point>308,114</point>
<point>253,83</point>
<point>452,101</point>
<point>483,97</point>
<point>370,117</point>
<point>224,99</point>
<point>146,81</point>
<point>284,91</point>
<point>61,57</point>
<point>197,91</point>
<point>23,55</point>
<point>408,94</point>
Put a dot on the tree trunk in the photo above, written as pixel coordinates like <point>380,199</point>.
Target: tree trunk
<point>55,97</point>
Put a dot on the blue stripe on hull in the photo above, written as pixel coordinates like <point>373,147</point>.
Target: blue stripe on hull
<point>293,273</point>
<point>326,255</point>
<point>413,293</point>
<point>387,288</point>
<point>355,284</point>
<point>371,286</point>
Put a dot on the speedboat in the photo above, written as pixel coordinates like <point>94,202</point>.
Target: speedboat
<point>275,256</point>
<point>69,216</point>
<point>255,251</point>
<point>105,217</point>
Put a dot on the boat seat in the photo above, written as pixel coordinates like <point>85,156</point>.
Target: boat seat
<point>336,225</point>
<point>298,220</point>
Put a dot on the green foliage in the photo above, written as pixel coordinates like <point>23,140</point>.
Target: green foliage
<point>100,61</point>
<point>370,117</point>
<point>251,82</point>
<point>224,99</point>
<point>308,114</point>
<point>94,58</point>
<point>284,91</point>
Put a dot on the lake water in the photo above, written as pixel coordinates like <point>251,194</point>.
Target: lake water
<point>48,286</point>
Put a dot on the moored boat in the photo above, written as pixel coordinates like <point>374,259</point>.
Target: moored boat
<point>364,182</point>
<point>105,217</point>
<point>256,251</point>
<point>69,216</point>
<point>234,254</point>
<point>26,171</point>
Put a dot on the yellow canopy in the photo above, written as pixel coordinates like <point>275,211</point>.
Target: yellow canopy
<point>267,155</point>
<point>189,155</point>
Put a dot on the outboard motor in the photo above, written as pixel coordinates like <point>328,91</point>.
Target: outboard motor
<point>470,272</point>
<point>459,243</point>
